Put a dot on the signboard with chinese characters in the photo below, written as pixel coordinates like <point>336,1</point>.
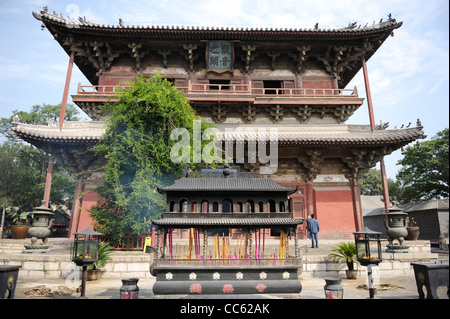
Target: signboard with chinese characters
<point>220,56</point>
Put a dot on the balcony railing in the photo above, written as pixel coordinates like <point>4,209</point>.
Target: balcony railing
<point>230,89</point>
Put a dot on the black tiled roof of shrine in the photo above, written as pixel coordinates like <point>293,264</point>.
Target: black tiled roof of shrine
<point>222,184</point>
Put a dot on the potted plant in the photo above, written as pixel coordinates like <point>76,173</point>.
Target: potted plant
<point>103,256</point>
<point>20,230</point>
<point>346,252</point>
<point>412,228</point>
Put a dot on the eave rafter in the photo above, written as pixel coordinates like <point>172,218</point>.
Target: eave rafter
<point>311,161</point>
<point>360,160</point>
<point>99,54</point>
<point>275,112</point>
<point>137,54</point>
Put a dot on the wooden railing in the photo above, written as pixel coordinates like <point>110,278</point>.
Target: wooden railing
<point>305,92</point>
<point>100,89</point>
<point>219,88</point>
<point>128,242</point>
<point>217,215</point>
<point>108,90</point>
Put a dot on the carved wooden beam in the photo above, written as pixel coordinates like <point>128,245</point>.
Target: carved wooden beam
<point>303,112</point>
<point>137,54</point>
<point>252,167</point>
<point>164,53</point>
<point>248,112</point>
<point>321,110</point>
<point>359,162</point>
<point>303,52</point>
<point>273,55</point>
<point>190,48</point>
<point>276,112</point>
<point>219,112</point>
<point>312,162</point>
<point>334,60</point>
<point>249,56</point>
<point>100,59</point>
<point>343,112</point>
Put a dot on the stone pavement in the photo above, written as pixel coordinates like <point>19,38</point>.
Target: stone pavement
<point>392,287</point>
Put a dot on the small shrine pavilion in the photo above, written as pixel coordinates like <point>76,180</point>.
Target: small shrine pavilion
<point>239,210</point>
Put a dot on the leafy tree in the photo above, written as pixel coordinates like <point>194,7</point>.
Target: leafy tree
<point>371,184</point>
<point>136,146</point>
<point>425,170</point>
<point>23,167</point>
<point>19,177</point>
<point>38,115</point>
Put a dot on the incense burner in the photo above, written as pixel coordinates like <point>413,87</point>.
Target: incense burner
<point>41,225</point>
<point>395,224</point>
<point>238,211</point>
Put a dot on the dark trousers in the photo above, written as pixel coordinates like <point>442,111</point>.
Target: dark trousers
<point>314,239</point>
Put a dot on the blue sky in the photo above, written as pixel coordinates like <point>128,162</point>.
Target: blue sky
<point>409,74</point>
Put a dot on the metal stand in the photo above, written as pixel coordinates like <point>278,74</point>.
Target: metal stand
<point>372,289</point>
<point>83,281</point>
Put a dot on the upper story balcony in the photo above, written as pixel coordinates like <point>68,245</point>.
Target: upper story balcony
<point>196,92</point>
<point>340,103</point>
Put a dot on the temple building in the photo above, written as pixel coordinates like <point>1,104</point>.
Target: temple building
<point>241,80</point>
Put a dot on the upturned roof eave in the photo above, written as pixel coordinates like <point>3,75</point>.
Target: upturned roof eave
<point>377,138</point>
<point>202,32</point>
<point>84,29</point>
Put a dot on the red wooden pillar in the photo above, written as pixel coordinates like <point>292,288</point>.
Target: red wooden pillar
<point>76,208</point>
<point>62,112</point>
<point>309,198</point>
<point>357,209</point>
<point>369,96</point>
<point>387,203</point>
<point>48,181</point>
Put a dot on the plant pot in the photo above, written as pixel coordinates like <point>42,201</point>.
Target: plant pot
<point>93,274</point>
<point>413,233</point>
<point>351,274</point>
<point>19,231</point>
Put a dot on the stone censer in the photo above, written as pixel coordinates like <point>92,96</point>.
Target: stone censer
<point>395,224</point>
<point>41,225</point>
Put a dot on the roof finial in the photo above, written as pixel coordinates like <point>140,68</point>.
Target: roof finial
<point>226,171</point>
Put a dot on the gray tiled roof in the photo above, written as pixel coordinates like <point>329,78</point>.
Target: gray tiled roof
<point>226,184</point>
<point>326,134</point>
<point>373,205</point>
<point>432,204</point>
<point>44,15</point>
<point>336,134</point>
<point>228,222</point>
<point>74,131</point>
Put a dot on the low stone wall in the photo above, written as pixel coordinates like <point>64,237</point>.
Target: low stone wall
<point>61,266</point>
<point>392,264</point>
<point>57,263</point>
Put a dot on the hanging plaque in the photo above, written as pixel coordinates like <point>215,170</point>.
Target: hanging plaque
<point>219,56</point>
